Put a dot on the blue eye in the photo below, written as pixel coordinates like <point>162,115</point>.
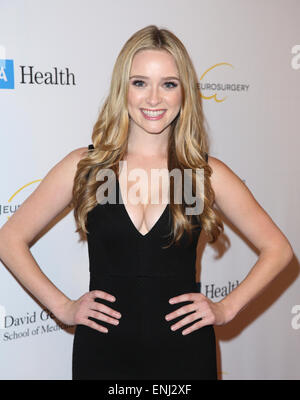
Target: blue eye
<point>134,83</point>
<point>172,83</point>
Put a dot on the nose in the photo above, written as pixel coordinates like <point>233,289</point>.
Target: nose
<point>154,96</point>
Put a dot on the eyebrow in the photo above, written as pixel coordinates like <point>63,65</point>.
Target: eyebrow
<point>146,77</point>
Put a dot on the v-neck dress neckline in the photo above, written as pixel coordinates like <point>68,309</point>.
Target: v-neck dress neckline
<point>130,220</point>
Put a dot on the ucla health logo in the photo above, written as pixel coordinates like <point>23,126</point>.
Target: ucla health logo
<point>28,75</point>
<point>7,78</point>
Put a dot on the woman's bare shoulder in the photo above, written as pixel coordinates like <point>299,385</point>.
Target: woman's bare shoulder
<point>238,204</point>
<point>225,183</point>
<point>52,196</point>
<point>79,153</point>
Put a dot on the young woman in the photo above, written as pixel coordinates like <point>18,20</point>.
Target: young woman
<point>143,317</point>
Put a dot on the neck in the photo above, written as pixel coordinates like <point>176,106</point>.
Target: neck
<point>142,143</point>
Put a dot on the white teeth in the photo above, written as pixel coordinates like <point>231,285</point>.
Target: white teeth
<point>153,113</point>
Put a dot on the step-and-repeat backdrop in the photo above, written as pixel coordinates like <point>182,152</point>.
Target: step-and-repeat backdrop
<point>56,60</point>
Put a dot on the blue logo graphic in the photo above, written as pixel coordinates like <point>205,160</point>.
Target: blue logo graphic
<point>7,80</point>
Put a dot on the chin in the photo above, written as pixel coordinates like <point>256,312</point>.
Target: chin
<point>154,129</point>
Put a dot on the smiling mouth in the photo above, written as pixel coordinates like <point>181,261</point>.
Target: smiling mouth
<point>153,114</point>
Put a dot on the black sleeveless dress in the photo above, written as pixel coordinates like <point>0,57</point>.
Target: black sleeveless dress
<point>143,277</point>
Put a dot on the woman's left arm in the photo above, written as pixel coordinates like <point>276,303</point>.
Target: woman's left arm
<point>237,203</point>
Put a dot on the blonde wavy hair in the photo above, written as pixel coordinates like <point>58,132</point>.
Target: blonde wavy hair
<point>187,140</point>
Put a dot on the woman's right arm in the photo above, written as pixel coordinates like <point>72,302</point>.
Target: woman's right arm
<point>50,198</point>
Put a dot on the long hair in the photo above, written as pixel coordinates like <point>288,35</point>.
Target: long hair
<point>187,144</point>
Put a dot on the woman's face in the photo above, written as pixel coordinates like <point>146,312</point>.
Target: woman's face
<point>154,92</point>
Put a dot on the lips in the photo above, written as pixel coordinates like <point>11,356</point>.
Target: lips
<point>153,114</point>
